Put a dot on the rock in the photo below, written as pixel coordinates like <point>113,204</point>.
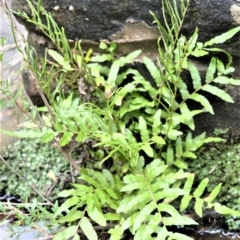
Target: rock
<point>10,118</point>
<point>129,23</point>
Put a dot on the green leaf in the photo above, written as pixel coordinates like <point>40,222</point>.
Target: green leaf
<point>213,139</point>
<point>153,70</point>
<point>185,202</point>
<point>130,203</point>
<point>67,204</point>
<point>108,175</point>
<point>29,133</point>
<point>201,187</point>
<point>180,236</point>
<point>225,210</point>
<point>66,233</point>
<point>173,134</point>
<point>195,75</point>
<point>97,216</point>
<point>156,125</point>
<point>112,216</point>
<point>182,86</point>
<point>221,68</point>
<point>82,189</point>
<point>192,42</point>
<point>189,155</point>
<point>188,184</point>
<point>211,70</point>
<point>218,92</point>
<point>143,214</point>
<point>165,207</point>
<point>223,37</point>
<point>90,202</point>
<point>48,137</point>
<point>59,127</point>
<point>147,149</point>
<point>139,233</point>
<point>71,216</point>
<point>152,225</point>
<point>66,138</point>
<point>143,130</point>
<point>170,155</point>
<point>171,193</point>
<point>88,229</point>
<point>128,88</point>
<point>113,73</point>
<point>90,180</point>
<point>67,193</point>
<point>198,207</point>
<point>153,170</point>
<point>179,147</point>
<point>60,60</point>
<point>135,103</point>
<point>56,56</point>
<point>72,126</point>
<point>186,116</point>
<point>213,194</point>
<point>67,102</point>
<point>199,52</point>
<point>226,80</point>
<point>100,58</point>
<point>127,223</point>
<point>219,50</point>
<point>103,45</point>
<point>116,233</point>
<point>132,186</point>
<point>180,164</point>
<point>130,57</point>
<point>203,101</point>
<point>3,102</point>
<point>101,195</point>
<point>163,233</point>
<point>181,221</point>
<point>159,140</point>
<point>113,193</point>
<point>76,237</point>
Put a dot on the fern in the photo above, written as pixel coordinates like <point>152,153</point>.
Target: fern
<point>137,126</point>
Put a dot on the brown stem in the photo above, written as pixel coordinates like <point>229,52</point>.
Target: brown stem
<point>68,157</point>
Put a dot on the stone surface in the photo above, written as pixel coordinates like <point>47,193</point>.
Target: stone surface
<point>129,23</point>
<point>10,118</point>
<point>130,20</point>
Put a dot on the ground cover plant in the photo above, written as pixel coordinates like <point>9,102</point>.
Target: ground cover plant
<point>133,175</point>
<point>41,165</point>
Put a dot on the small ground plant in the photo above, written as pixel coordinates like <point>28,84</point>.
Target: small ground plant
<point>41,166</point>
<point>134,172</point>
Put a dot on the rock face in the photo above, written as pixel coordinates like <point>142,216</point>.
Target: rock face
<point>129,23</point>
<point>130,20</point>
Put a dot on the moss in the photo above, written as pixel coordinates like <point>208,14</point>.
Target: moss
<point>34,161</point>
<point>221,163</point>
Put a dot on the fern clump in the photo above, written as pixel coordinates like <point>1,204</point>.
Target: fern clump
<point>137,177</point>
